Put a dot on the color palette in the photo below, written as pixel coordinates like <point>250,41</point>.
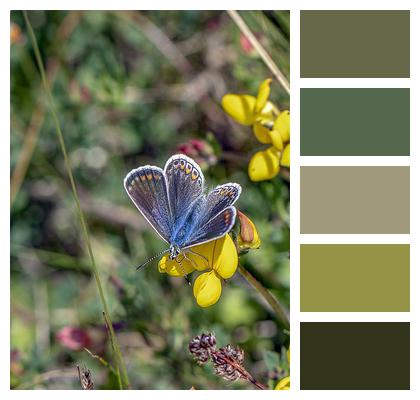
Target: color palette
<point>355,277</point>
<point>355,199</point>
<point>355,122</point>
<point>363,278</point>
<point>355,44</point>
<point>355,355</point>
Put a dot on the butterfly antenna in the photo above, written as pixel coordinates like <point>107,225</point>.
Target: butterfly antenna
<point>152,258</point>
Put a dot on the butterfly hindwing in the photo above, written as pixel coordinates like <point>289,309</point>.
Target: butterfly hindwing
<point>214,228</point>
<point>148,189</point>
<point>185,184</point>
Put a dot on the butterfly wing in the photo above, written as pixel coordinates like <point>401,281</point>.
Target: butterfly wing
<point>185,184</point>
<point>214,228</point>
<point>218,214</point>
<point>219,198</point>
<point>148,189</point>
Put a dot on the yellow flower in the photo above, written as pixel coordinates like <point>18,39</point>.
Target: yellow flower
<point>248,236</point>
<point>255,111</point>
<point>217,258</point>
<point>283,384</point>
<point>270,127</point>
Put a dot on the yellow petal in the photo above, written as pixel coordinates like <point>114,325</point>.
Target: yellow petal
<point>264,165</point>
<point>285,157</point>
<point>282,125</point>
<point>171,267</point>
<point>276,140</point>
<point>225,259</point>
<point>207,289</point>
<point>202,255</point>
<point>240,107</point>
<point>283,384</point>
<point>263,95</point>
<point>248,236</point>
<point>261,133</point>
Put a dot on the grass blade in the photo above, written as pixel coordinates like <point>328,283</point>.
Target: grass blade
<point>120,367</point>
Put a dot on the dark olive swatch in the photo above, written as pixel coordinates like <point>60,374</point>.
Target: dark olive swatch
<point>348,200</point>
<point>355,277</point>
<point>355,122</point>
<point>355,355</point>
<point>355,44</point>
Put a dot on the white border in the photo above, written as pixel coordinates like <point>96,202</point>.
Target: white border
<point>296,83</point>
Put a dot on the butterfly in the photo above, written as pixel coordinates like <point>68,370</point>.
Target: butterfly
<point>173,201</point>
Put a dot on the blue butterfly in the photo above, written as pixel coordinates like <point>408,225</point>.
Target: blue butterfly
<point>174,203</point>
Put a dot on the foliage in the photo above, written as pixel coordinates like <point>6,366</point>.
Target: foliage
<point>131,89</point>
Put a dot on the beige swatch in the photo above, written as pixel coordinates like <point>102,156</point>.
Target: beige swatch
<point>355,200</point>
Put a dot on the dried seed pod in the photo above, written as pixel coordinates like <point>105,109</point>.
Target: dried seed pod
<point>85,378</point>
<point>236,353</point>
<point>228,362</point>
<point>202,346</point>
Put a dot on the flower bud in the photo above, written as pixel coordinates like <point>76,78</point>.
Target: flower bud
<point>248,236</point>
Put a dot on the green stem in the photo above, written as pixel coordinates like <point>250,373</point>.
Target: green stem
<point>278,308</point>
<point>101,360</point>
<point>120,367</point>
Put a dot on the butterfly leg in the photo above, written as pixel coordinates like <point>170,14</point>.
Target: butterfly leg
<point>186,277</point>
<point>199,255</point>
<point>193,263</point>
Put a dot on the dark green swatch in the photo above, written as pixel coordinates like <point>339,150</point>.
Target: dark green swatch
<point>355,200</point>
<point>355,277</point>
<point>355,355</point>
<point>355,122</point>
<point>355,44</point>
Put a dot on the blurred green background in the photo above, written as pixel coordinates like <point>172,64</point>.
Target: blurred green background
<point>133,88</point>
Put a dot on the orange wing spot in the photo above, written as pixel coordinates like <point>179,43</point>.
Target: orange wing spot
<point>188,168</point>
<point>194,174</point>
<point>143,178</point>
<point>149,177</point>
<point>182,164</point>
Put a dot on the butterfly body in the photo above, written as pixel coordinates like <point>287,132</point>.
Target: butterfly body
<point>174,203</point>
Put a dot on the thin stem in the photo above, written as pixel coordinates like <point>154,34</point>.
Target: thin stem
<point>101,360</point>
<point>245,374</point>
<point>111,338</point>
<point>120,366</point>
<point>277,307</point>
<point>260,49</point>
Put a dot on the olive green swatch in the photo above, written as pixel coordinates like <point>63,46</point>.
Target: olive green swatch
<point>355,44</point>
<point>346,200</point>
<point>354,277</point>
<point>355,122</point>
<point>355,355</point>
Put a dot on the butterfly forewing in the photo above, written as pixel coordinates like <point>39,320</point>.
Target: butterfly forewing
<point>185,184</point>
<point>147,188</point>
